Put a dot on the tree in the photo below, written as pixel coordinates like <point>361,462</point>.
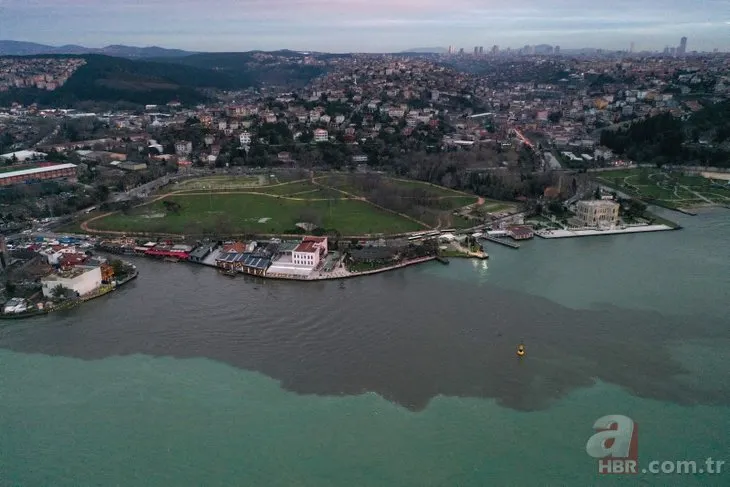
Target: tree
<point>120,268</point>
<point>597,193</point>
<point>62,292</point>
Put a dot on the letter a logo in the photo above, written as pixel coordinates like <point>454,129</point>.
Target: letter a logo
<point>615,438</point>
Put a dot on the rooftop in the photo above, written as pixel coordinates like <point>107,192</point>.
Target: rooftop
<point>36,170</point>
<point>307,246</point>
<point>598,203</point>
<point>71,273</point>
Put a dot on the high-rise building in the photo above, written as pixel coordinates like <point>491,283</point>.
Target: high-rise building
<point>495,50</point>
<point>556,50</point>
<point>682,49</point>
<point>481,50</point>
<point>476,50</point>
<point>631,49</point>
<point>461,51</point>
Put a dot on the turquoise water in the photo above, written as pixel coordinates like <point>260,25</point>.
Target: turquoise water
<point>143,420</point>
<point>140,420</point>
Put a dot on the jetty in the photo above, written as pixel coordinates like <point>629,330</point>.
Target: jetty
<point>501,241</point>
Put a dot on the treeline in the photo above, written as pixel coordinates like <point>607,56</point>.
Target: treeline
<point>453,170</point>
<point>245,69</point>
<point>663,139</point>
<point>416,202</point>
<point>112,79</point>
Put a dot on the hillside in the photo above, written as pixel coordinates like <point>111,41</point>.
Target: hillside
<point>701,140</point>
<point>21,48</point>
<point>255,68</point>
<point>111,79</point>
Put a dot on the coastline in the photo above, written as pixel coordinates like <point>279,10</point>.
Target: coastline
<point>349,275</point>
<point>549,234</point>
<point>66,305</point>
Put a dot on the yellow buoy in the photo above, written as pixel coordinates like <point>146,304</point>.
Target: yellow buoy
<point>520,350</point>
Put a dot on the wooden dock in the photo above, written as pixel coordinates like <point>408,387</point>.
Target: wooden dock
<point>501,241</point>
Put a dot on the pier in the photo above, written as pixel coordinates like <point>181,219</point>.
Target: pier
<point>501,241</point>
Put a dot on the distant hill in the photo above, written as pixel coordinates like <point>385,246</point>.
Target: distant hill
<point>20,48</point>
<point>113,79</point>
<point>426,50</point>
<point>703,139</point>
<point>255,68</point>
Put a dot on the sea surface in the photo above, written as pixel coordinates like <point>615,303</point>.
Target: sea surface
<point>185,377</point>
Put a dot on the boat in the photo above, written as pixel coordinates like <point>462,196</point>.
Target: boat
<point>171,259</point>
<point>520,350</point>
<point>228,272</point>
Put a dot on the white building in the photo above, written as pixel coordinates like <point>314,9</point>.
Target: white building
<point>15,305</point>
<point>245,138</point>
<point>183,148</point>
<point>81,279</point>
<point>597,213</point>
<point>310,251</point>
<point>321,135</point>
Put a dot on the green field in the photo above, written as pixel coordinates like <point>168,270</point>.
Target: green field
<point>251,213</point>
<point>673,190</point>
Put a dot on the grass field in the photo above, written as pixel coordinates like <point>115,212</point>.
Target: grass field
<point>673,190</point>
<point>250,213</point>
<point>232,205</point>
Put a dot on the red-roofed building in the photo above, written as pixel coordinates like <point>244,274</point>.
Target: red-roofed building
<point>520,232</point>
<point>310,251</point>
<point>235,247</point>
<point>69,260</point>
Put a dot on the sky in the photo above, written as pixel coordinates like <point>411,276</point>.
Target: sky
<point>368,25</point>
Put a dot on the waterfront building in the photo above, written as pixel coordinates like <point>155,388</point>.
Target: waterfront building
<point>597,213</point>
<point>310,251</point>
<point>82,280</point>
<point>15,305</point>
<point>520,232</point>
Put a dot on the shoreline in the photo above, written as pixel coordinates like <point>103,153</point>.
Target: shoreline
<point>551,234</point>
<point>333,278</point>
<point>67,305</point>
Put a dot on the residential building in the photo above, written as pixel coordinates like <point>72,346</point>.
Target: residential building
<point>321,135</point>
<point>597,213</point>
<point>183,148</point>
<point>245,138</point>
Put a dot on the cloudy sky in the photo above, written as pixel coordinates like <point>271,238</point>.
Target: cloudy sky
<point>368,25</point>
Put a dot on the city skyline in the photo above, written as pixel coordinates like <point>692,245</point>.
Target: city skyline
<point>368,26</point>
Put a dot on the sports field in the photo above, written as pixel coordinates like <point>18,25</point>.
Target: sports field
<point>671,189</point>
<point>220,205</point>
<point>253,213</point>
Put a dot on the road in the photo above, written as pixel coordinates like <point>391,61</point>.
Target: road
<point>524,139</point>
